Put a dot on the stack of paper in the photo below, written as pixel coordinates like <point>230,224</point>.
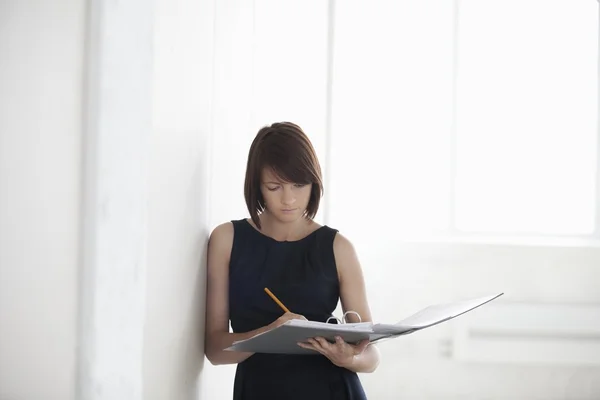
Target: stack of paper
<point>284,339</point>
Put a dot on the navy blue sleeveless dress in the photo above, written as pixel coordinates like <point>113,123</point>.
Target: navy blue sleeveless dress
<point>303,275</point>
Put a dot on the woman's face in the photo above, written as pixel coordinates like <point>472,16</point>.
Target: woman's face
<point>287,201</point>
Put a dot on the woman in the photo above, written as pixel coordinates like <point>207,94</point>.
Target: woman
<point>309,267</point>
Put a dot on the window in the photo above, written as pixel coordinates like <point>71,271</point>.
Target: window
<point>527,116</point>
<point>476,116</point>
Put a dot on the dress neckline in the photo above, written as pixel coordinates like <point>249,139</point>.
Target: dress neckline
<point>283,241</point>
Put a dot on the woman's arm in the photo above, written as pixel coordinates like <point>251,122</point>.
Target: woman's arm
<point>217,335</point>
<point>217,332</point>
<point>362,357</point>
<point>354,298</point>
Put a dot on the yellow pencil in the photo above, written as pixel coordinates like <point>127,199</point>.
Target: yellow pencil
<point>284,308</point>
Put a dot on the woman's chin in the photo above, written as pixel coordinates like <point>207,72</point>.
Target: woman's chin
<point>288,216</point>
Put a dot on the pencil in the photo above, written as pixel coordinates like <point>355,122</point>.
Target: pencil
<point>279,303</point>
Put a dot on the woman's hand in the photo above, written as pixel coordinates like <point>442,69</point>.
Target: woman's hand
<point>339,353</point>
<point>284,318</point>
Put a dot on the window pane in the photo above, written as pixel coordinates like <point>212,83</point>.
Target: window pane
<point>391,116</point>
<point>527,116</point>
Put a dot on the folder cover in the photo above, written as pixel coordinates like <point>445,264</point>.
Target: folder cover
<point>284,339</point>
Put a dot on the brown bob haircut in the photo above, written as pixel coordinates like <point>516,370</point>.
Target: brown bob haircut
<point>286,149</point>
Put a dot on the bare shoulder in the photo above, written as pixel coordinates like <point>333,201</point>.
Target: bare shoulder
<point>342,246</point>
<point>223,231</point>
<point>345,255</point>
<point>221,239</point>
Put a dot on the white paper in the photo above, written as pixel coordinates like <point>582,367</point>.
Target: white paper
<point>285,338</point>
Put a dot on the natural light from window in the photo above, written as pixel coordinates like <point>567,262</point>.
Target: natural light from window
<point>487,124</point>
<point>527,116</point>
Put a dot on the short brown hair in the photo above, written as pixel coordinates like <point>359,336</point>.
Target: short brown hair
<point>286,149</point>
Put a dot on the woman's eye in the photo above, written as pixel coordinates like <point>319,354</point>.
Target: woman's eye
<point>272,189</point>
<point>299,185</point>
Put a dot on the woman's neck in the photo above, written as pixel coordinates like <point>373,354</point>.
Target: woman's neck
<point>281,231</point>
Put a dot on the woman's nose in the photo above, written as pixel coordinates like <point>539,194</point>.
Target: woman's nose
<point>288,196</point>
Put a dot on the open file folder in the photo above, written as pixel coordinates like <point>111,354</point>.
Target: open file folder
<point>284,339</point>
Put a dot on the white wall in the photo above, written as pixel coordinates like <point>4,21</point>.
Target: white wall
<point>178,206</point>
<point>40,153</point>
<point>404,277</point>
<point>105,110</point>
<point>147,200</point>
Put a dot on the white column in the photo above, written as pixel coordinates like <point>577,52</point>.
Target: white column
<point>178,202</point>
<point>597,230</point>
<point>117,128</point>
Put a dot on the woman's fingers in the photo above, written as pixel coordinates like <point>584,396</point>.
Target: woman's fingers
<point>286,317</point>
<point>322,342</point>
<point>289,315</point>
